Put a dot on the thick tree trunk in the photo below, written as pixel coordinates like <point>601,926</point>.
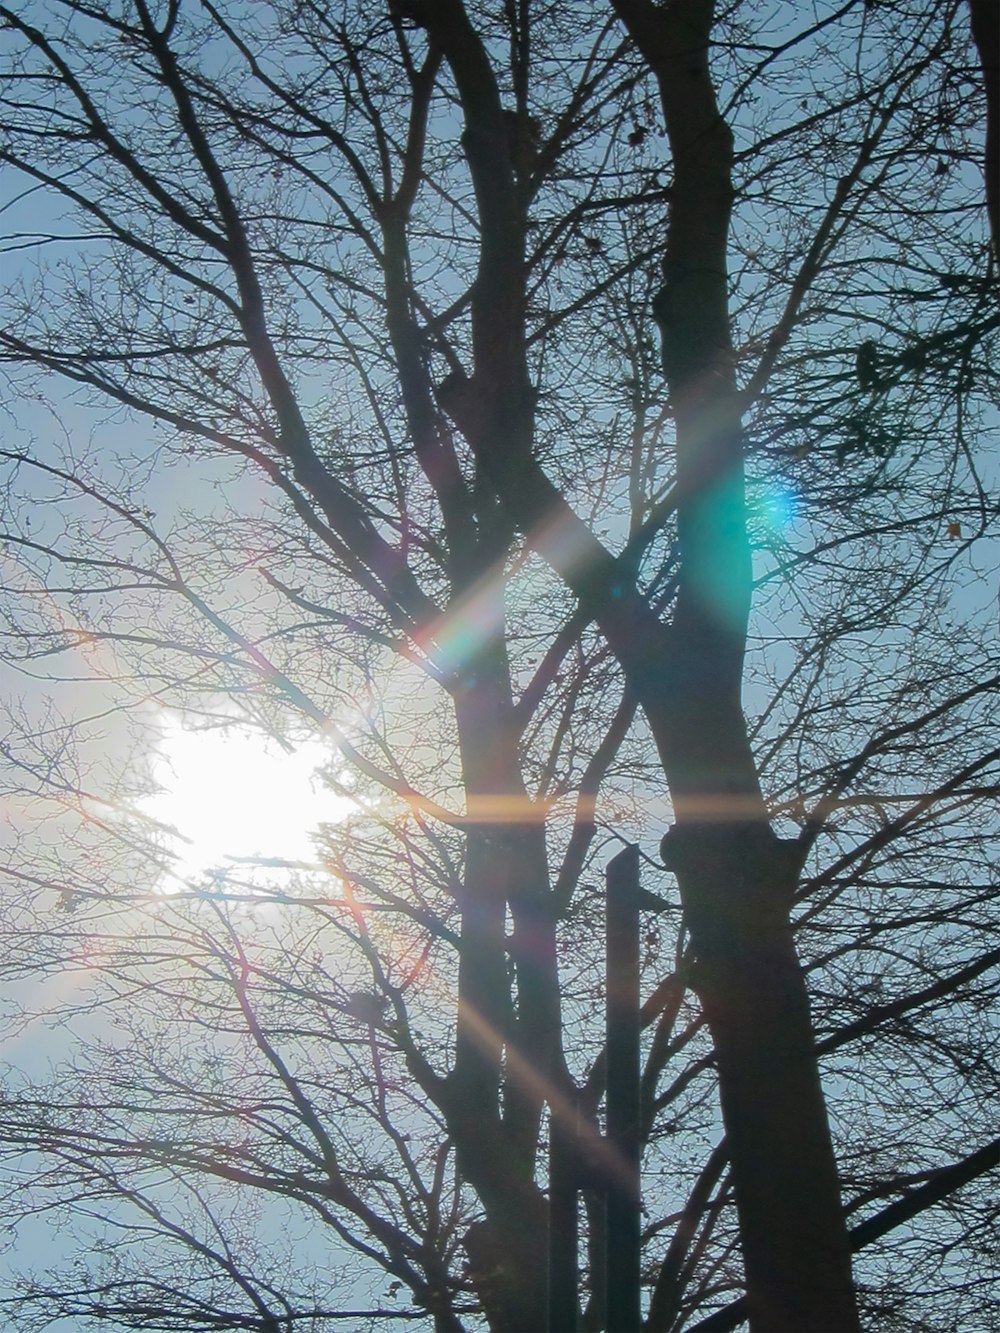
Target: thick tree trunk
<point>985,20</point>
<point>507,1049</point>
<point>737,880</point>
<point>737,885</point>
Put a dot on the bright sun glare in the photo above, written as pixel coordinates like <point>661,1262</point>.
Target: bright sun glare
<point>240,804</point>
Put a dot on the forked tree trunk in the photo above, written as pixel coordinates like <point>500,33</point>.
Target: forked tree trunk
<point>736,878</point>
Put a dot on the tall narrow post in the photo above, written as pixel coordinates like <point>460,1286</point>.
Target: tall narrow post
<point>623,1199</point>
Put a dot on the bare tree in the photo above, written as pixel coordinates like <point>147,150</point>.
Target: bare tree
<point>529,573</point>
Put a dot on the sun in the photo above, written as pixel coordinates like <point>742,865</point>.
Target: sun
<point>235,805</point>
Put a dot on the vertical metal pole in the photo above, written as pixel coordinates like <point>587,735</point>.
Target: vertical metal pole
<point>563,1227</point>
<point>623,1091</point>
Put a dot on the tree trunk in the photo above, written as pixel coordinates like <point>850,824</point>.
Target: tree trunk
<point>507,1053</point>
<point>737,886</point>
<point>985,21</point>
<point>737,880</point>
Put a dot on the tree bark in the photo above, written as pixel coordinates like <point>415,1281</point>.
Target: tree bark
<point>737,885</point>
<point>736,878</point>
<point>985,21</point>
<point>508,1054</point>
